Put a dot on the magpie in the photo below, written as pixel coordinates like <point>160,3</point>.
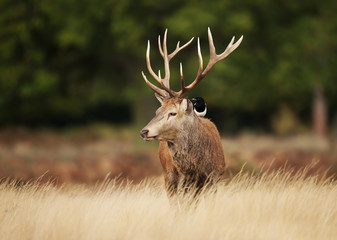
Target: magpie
<point>199,106</point>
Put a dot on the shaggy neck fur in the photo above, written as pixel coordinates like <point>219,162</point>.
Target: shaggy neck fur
<point>191,147</point>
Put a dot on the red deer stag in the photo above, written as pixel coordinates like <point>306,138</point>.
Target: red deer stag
<point>190,148</point>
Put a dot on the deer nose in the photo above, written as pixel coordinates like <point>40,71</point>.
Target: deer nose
<point>143,133</point>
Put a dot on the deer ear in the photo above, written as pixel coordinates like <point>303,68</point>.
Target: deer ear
<point>186,105</point>
<point>160,98</point>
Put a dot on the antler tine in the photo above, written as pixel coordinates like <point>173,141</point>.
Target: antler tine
<point>156,77</point>
<point>214,58</point>
<point>160,48</point>
<point>198,77</point>
<point>148,64</point>
<point>178,49</point>
<point>161,92</point>
<point>167,57</point>
<point>200,59</point>
<point>166,79</point>
<point>230,48</point>
<point>182,76</point>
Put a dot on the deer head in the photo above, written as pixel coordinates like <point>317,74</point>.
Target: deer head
<point>176,112</point>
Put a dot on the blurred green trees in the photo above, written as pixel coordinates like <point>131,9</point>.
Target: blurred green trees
<point>71,60</point>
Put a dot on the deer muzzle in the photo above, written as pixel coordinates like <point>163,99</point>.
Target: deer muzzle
<point>143,133</point>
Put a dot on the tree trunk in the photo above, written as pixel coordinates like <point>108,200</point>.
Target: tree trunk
<point>319,113</point>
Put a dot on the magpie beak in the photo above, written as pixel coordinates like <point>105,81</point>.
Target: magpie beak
<point>199,106</point>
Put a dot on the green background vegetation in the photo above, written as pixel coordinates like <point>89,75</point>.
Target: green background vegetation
<point>73,62</point>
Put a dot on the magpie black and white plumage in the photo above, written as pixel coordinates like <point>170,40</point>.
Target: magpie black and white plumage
<point>199,106</point>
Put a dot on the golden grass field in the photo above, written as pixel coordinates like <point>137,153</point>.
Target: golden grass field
<point>61,185</point>
<point>274,205</point>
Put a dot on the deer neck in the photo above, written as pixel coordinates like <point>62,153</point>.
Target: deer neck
<point>188,145</point>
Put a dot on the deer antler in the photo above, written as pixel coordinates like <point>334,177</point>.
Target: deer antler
<point>214,58</point>
<point>165,82</point>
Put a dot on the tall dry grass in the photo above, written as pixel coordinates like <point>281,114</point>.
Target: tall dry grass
<point>275,205</point>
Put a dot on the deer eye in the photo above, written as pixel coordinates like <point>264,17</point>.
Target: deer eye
<point>172,114</point>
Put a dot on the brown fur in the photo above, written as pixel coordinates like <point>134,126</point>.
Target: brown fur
<point>190,148</point>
